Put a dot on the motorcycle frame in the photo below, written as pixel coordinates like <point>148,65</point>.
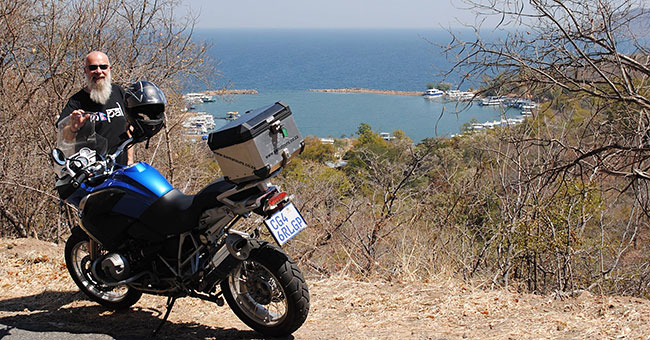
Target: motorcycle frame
<point>207,244</point>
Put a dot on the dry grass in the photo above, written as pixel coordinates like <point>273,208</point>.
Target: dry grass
<point>37,294</point>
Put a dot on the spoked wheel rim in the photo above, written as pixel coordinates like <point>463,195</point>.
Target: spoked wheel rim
<point>259,293</point>
<point>81,265</point>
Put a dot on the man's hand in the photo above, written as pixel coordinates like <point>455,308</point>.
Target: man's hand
<point>77,120</point>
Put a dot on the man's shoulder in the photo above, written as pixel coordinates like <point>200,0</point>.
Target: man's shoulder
<point>80,95</point>
<point>117,88</point>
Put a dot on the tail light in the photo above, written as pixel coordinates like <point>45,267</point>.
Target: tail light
<point>275,200</point>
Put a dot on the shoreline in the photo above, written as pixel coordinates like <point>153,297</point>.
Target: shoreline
<point>231,91</point>
<point>373,91</point>
<point>339,90</point>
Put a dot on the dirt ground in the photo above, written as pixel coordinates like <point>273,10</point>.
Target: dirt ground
<point>37,294</point>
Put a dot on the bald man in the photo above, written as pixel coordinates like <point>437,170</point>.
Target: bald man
<point>101,96</point>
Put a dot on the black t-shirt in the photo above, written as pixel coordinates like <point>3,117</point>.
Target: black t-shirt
<point>111,123</point>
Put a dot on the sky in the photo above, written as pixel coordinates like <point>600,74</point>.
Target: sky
<point>327,13</point>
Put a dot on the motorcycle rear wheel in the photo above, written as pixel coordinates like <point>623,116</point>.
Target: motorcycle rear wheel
<point>77,259</point>
<point>268,292</point>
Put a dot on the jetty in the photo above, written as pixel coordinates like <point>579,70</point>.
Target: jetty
<point>229,91</point>
<point>361,90</point>
<point>209,96</point>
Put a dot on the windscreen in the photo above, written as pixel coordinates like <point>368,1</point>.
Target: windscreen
<point>70,141</point>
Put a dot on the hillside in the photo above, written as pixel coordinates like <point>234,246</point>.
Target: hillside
<point>36,294</point>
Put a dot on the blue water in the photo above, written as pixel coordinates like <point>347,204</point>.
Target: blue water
<point>283,64</point>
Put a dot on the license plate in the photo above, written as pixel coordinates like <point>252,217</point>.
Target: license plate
<point>285,224</point>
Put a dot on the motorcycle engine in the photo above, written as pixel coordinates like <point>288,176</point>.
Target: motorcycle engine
<point>115,266</point>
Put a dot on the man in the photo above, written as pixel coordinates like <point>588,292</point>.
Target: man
<point>101,96</point>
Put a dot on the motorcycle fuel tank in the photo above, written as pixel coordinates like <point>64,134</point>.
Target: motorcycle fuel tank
<point>143,184</point>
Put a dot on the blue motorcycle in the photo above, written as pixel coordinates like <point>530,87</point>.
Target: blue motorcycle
<point>140,235</point>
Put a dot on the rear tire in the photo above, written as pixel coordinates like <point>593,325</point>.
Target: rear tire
<point>268,292</point>
<point>77,259</point>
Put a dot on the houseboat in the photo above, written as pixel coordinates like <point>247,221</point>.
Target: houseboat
<point>432,93</point>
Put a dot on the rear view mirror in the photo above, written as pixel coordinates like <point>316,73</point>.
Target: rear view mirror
<point>58,156</point>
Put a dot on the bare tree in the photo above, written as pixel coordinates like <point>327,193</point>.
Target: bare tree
<point>565,174</point>
<point>592,51</point>
<point>42,45</point>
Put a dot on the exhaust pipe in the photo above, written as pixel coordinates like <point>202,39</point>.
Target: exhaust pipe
<point>238,246</point>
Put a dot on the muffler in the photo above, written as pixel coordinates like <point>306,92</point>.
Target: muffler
<point>238,246</point>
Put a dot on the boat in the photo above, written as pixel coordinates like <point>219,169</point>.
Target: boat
<point>528,106</point>
<point>207,99</point>
<point>496,123</point>
<point>492,101</point>
<point>432,93</point>
<point>192,97</point>
<point>386,136</point>
<point>460,95</point>
<point>232,115</point>
<point>200,123</point>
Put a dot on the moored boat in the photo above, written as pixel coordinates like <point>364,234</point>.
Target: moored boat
<point>432,93</point>
<point>492,101</point>
<point>460,95</point>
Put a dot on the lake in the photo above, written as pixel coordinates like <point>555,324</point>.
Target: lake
<point>284,64</point>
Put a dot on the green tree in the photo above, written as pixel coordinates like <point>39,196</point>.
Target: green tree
<point>444,86</point>
<point>368,138</point>
<point>318,151</point>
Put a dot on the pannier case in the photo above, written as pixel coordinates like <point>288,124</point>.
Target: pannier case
<point>257,143</point>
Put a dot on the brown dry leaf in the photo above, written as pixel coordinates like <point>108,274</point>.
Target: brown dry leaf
<point>406,310</point>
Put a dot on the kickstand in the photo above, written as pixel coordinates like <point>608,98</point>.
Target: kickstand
<point>170,305</point>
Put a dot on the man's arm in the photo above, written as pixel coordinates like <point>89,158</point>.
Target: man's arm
<point>130,155</point>
<point>130,151</point>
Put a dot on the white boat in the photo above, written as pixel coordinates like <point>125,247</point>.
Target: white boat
<point>232,115</point>
<point>496,123</point>
<point>192,97</point>
<point>460,95</point>
<point>528,106</point>
<point>492,101</point>
<point>207,99</point>
<point>433,93</point>
<point>199,124</point>
<point>386,136</point>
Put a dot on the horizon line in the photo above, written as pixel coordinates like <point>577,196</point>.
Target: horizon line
<point>334,28</point>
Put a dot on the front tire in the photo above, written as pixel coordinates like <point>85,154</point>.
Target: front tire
<point>268,292</point>
<point>77,259</point>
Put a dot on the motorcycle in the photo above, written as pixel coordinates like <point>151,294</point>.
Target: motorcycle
<point>139,235</point>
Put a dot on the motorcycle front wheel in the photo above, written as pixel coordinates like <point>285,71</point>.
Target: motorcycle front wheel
<point>77,259</point>
<point>268,292</point>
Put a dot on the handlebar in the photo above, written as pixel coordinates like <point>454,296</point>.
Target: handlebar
<point>76,182</point>
<point>86,163</point>
<point>121,148</point>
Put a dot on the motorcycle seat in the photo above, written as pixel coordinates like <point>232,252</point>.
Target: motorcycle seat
<point>175,212</point>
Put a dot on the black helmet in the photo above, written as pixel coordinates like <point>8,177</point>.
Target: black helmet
<point>145,109</point>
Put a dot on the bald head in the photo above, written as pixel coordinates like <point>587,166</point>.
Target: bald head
<point>96,58</point>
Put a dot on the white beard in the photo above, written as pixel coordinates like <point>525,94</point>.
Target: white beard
<point>101,90</point>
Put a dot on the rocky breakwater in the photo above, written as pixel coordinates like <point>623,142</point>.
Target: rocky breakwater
<point>229,91</point>
<point>358,90</point>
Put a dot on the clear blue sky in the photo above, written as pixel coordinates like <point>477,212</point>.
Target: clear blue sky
<point>327,13</point>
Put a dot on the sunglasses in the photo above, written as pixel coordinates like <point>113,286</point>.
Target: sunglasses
<point>94,67</point>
